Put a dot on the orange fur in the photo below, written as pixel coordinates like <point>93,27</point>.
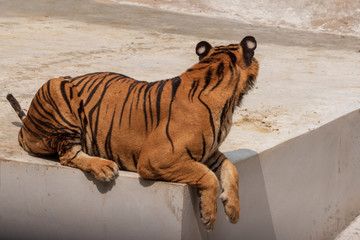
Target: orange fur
<point>167,130</point>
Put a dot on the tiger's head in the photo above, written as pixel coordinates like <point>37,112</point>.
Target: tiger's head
<point>241,54</point>
<point>242,65</point>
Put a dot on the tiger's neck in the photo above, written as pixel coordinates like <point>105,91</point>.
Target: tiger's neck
<point>218,83</point>
<point>215,89</point>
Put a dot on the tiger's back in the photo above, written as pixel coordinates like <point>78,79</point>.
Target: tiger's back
<point>120,113</point>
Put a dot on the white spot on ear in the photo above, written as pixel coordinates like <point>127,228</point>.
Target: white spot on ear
<point>201,50</point>
<point>250,44</point>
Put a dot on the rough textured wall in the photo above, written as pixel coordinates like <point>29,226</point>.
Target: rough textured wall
<point>335,16</point>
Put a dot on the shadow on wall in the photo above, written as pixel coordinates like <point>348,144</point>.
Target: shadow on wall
<point>102,187</point>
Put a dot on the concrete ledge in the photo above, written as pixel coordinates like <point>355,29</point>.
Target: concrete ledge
<point>304,188</point>
<point>54,202</point>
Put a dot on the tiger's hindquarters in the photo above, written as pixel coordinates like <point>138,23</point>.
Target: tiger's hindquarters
<point>50,125</point>
<point>54,125</point>
<point>28,139</point>
<point>32,143</point>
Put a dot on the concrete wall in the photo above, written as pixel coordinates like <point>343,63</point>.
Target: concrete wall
<point>312,181</point>
<point>305,188</point>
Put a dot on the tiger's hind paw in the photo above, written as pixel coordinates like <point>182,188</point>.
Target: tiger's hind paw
<point>104,170</point>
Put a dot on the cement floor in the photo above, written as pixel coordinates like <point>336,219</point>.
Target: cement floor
<point>352,232</point>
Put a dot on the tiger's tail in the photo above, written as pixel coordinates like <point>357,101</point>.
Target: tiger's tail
<point>16,106</point>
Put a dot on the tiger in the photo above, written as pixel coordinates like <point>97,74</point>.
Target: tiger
<point>167,130</point>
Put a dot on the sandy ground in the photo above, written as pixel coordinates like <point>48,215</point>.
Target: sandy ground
<point>352,232</point>
<point>305,80</point>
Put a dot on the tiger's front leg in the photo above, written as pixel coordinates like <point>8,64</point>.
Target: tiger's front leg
<point>102,169</point>
<point>229,181</point>
<point>175,168</point>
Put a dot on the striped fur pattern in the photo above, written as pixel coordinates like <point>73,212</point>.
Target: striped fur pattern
<point>166,130</point>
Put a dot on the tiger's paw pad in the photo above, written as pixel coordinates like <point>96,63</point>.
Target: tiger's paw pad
<point>232,207</point>
<point>105,170</point>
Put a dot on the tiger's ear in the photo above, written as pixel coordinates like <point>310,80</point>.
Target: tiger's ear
<point>202,49</point>
<point>248,45</point>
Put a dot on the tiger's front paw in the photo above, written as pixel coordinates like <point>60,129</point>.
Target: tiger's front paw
<point>104,170</point>
<point>208,210</point>
<point>208,218</point>
<point>231,206</point>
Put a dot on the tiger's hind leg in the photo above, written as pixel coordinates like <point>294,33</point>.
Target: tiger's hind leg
<point>102,169</point>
